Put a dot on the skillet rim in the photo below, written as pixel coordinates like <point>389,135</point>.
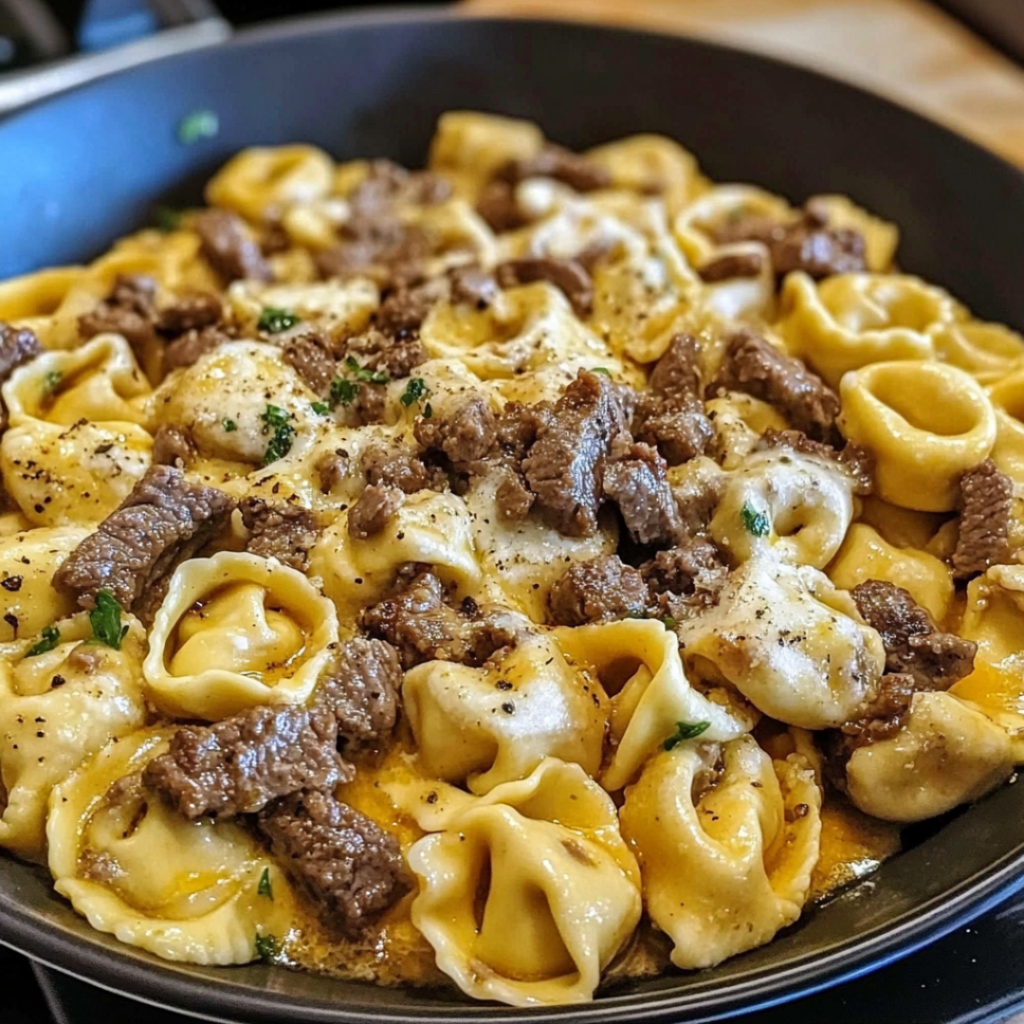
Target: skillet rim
<point>158,983</point>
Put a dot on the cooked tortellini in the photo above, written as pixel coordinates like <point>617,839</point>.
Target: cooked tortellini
<point>947,753</point>
<point>727,862</point>
<point>925,423</point>
<point>469,574</point>
<point>563,896</point>
<point>654,695</point>
<point>490,725</point>
<point>234,631</point>
<point>805,504</point>
<point>852,320</point>
<point>429,528</point>
<point>57,708</point>
<point>183,890</point>
<point>790,642</point>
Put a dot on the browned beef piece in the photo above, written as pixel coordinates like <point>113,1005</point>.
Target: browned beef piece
<point>986,504</point>
<point>193,345</point>
<point>374,509</point>
<point>472,286</point>
<point>498,207</point>
<point>375,350</point>
<point>562,164</point>
<point>671,415</point>
<point>806,243</point>
<point>678,569</point>
<point>600,590</point>
<point>398,465</point>
<point>518,427</point>
<point>884,716</point>
<point>567,276</point>
<point>857,461</point>
<point>239,765</point>
<point>370,405</point>
<point>311,358</point>
<point>173,446</point>
<point>164,521</point>
<point>349,867</point>
<point>361,690</point>
<point>565,465</point>
<point>731,265</point>
<point>635,478</point>
<point>466,432</point>
<point>191,313</point>
<point>418,622</point>
<point>375,242</point>
<point>402,313</point>
<point>754,366</point>
<point>279,530</point>
<point>513,497</point>
<point>332,468</point>
<point>913,644</point>
<point>229,248</point>
<point>18,345</point>
<point>128,310</point>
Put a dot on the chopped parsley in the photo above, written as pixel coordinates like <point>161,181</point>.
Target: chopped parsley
<point>343,391</point>
<point>105,620</point>
<point>199,125</point>
<point>685,731</point>
<point>601,369</point>
<point>51,637</point>
<point>273,320</point>
<point>669,622</point>
<point>50,381</point>
<point>756,522</point>
<point>266,947</point>
<point>265,888</point>
<point>230,426</point>
<point>414,391</point>
<point>321,408</point>
<point>167,219</point>
<point>365,373</point>
<point>428,411</point>
<point>282,433</point>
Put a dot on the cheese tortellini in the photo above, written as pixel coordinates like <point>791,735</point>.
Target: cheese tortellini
<point>563,895</point>
<point>726,863</point>
<point>235,631</point>
<point>133,867</point>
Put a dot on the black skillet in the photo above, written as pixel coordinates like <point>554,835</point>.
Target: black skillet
<point>78,170</point>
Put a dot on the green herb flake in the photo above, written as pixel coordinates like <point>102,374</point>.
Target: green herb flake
<point>365,373</point>
<point>105,620</point>
<point>50,381</point>
<point>756,522</point>
<point>320,408</point>
<point>266,948</point>
<point>282,433</point>
<point>601,369</point>
<point>428,411</point>
<point>343,392</point>
<point>414,391</point>
<point>685,731</point>
<point>167,219</point>
<point>50,639</point>
<point>199,125</point>
<point>273,320</point>
<point>669,622</point>
<point>265,888</point>
<point>230,426</point>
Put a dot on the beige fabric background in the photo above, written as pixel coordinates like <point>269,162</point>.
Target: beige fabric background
<point>906,49</point>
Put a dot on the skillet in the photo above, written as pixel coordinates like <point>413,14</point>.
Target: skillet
<point>79,170</point>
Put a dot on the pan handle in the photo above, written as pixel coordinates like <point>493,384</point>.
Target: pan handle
<point>20,88</point>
